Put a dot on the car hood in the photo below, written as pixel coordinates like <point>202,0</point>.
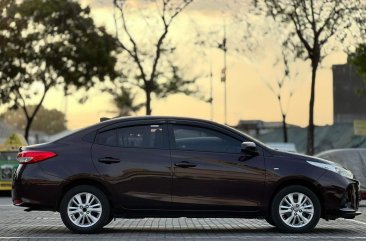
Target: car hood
<point>303,157</point>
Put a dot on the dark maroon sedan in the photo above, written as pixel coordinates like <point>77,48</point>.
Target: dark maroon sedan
<point>140,167</point>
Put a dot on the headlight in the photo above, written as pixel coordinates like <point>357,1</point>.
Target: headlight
<point>334,168</point>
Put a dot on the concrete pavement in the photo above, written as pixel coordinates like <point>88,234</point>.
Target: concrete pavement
<point>15,224</point>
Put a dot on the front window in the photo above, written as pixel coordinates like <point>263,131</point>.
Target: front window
<point>202,139</point>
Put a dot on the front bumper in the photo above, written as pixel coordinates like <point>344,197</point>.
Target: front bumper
<point>341,196</point>
<point>350,201</point>
<point>348,213</point>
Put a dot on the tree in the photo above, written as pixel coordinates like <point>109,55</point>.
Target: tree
<point>314,29</point>
<point>282,89</point>
<point>358,59</point>
<point>147,61</point>
<point>7,70</point>
<point>50,121</point>
<point>48,44</point>
<point>124,101</point>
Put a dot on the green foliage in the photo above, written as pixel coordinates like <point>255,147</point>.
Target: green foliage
<point>124,101</point>
<point>50,43</point>
<point>50,121</point>
<point>57,43</point>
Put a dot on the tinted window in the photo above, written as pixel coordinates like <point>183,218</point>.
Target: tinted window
<point>108,138</point>
<point>202,139</point>
<point>146,136</point>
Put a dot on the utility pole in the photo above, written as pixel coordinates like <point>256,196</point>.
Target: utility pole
<point>223,47</point>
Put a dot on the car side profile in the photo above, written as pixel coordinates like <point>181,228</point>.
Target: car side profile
<point>137,167</point>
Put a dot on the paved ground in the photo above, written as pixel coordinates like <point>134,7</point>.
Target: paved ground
<point>15,224</point>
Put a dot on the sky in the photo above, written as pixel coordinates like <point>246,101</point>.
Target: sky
<point>248,74</point>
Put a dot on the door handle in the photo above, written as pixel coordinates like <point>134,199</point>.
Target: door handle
<point>108,160</point>
<point>184,164</point>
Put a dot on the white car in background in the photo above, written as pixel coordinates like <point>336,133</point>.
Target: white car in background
<point>353,159</point>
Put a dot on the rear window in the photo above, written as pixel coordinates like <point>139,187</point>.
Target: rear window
<point>144,136</point>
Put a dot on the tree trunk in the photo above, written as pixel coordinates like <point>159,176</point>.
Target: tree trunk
<point>30,118</point>
<point>310,138</point>
<point>148,102</point>
<point>284,127</point>
<point>27,128</point>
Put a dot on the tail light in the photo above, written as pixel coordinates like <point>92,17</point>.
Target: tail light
<point>28,157</point>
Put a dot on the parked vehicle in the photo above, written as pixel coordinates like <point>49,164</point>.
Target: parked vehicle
<point>8,164</point>
<point>353,159</point>
<point>136,167</point>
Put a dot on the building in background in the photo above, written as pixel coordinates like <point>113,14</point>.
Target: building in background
<point>347,104</point>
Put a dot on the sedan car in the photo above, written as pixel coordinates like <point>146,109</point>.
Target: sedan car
<point>137,167</point>
<point>353,159</point>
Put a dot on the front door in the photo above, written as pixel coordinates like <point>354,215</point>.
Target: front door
<point>136,159</point>
<point>211,172</point>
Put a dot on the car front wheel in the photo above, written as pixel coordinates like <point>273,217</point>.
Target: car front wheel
<point>295,209</point>
<point>85,209</point>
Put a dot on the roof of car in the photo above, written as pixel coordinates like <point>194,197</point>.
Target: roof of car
<point>128,118</point>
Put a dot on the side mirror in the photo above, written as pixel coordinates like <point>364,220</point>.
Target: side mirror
<point>249,147</point>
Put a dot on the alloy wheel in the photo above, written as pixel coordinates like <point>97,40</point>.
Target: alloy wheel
<point>296,210</point>
<point>84,209</point>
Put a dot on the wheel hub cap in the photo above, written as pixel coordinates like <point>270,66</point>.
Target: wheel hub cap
<point>84,209</point>
<point>296,210</point>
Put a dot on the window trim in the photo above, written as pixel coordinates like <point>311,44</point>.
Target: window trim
<point>189,124</point>
<point>128,125</point>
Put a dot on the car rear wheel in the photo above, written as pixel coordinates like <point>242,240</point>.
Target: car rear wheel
<point>295,209</point>
<point>85,209</point>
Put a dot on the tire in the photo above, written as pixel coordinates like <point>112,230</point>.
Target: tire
<point>270,221</point>
<point>110,219</point>
<point>299,215</point>
<point>85,209</point>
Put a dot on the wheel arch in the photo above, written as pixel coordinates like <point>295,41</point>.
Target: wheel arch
<point>84,181</point>
<point>305,182</point>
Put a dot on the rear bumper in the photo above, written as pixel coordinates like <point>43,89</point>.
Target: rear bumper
<point>35,189</point>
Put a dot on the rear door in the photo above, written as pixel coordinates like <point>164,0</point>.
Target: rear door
<point>134,158</point>
<point>211,172</point>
